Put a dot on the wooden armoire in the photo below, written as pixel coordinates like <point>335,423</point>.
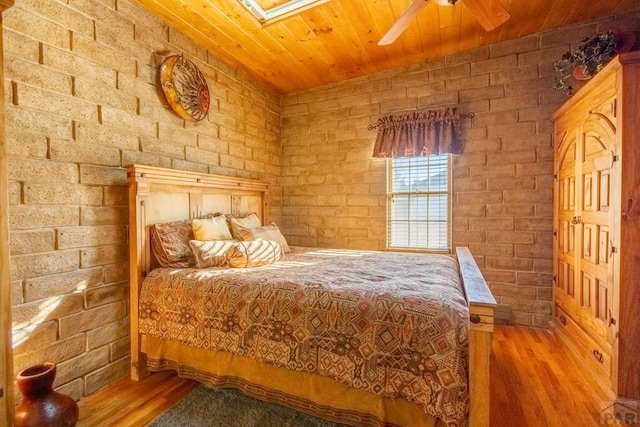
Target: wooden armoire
<point>596,226</point>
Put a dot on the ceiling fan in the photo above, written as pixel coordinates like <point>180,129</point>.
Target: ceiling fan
<point>490,13</point>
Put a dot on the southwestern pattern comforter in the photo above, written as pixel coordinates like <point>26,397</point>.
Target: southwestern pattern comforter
<point>394,324</point>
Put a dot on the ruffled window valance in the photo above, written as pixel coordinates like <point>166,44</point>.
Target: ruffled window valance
<point>419,134</point>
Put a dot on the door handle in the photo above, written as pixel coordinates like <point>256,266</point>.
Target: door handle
<point>598,356</point>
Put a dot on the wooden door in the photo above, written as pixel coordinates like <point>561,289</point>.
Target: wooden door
<point>594,276</point>
<point>566,211</point>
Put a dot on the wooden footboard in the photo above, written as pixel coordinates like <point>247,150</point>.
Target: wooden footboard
<point>481,315</point>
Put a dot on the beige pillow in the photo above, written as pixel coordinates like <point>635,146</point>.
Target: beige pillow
<point>210,253</point>
<point>215,228</point>
<point>249,221</point>
<point>253,254</point>
<point>266,232</point>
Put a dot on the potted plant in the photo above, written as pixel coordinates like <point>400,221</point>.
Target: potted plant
<point>588,58</point>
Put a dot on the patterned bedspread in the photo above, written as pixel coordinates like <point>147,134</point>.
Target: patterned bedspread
<point>394,324</point>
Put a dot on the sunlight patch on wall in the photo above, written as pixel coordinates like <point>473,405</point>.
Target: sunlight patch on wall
<point>22,330</point>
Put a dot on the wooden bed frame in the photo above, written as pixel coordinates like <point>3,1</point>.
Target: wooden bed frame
<point>160,195</point>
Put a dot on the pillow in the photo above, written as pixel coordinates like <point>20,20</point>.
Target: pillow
<point>253,254</point>
<point>210,253</point>
<point>249,221</point>
<point>170,243</point>
<point>267,232</point>
<point>215,228</point>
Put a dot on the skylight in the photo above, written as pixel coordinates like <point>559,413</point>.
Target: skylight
<point>280,11</point>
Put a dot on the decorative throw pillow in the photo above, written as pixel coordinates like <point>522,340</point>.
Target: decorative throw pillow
<point>253,254</point>
<point>170,243</point>
<point>215,228</point>
<point>211,253</point>
<point>249,221</point>
<point>266,232</point>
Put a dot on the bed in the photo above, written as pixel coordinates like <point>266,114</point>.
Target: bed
<point>357,337</point>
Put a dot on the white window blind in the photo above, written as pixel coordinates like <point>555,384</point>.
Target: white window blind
<point>419,206</point>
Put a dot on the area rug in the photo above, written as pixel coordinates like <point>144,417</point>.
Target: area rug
<point>230,408</point>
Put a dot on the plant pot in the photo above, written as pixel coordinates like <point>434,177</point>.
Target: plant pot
<point>40,405</point>
<point>580,73</point>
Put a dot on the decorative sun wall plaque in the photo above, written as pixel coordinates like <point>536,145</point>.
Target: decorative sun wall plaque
<point>184,87</point>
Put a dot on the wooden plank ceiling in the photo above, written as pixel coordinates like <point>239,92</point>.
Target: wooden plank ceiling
<point>338,40</point>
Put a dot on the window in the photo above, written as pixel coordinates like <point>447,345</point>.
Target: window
<point>275,12</point>
<point>419,203</point>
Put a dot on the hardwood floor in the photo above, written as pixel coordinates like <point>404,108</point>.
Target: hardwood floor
<point>533,383</point>
<point>129,403</point>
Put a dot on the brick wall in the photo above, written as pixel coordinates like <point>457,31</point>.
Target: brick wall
<point>334,192</point>
<point>82,103</point>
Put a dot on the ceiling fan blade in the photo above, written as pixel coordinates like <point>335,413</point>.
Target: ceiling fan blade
<point>490,13</point>
<point>403,22</point>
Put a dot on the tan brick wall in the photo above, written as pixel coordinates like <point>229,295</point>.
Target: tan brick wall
<point>334,192</point>
<point>80,81</point>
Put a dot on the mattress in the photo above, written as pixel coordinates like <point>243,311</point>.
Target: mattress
<point>392,324</point>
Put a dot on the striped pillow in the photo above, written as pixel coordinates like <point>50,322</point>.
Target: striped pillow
<point>253,254</point>
<point>210,253</point>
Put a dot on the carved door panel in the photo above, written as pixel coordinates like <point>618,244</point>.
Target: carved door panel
<point>595,271</point>
<point>566,222</point>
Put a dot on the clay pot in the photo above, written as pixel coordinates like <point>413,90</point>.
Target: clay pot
<point>580,73</point>
<point>40,405</point>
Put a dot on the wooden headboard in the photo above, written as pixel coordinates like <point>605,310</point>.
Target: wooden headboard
<point>159,195</point>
